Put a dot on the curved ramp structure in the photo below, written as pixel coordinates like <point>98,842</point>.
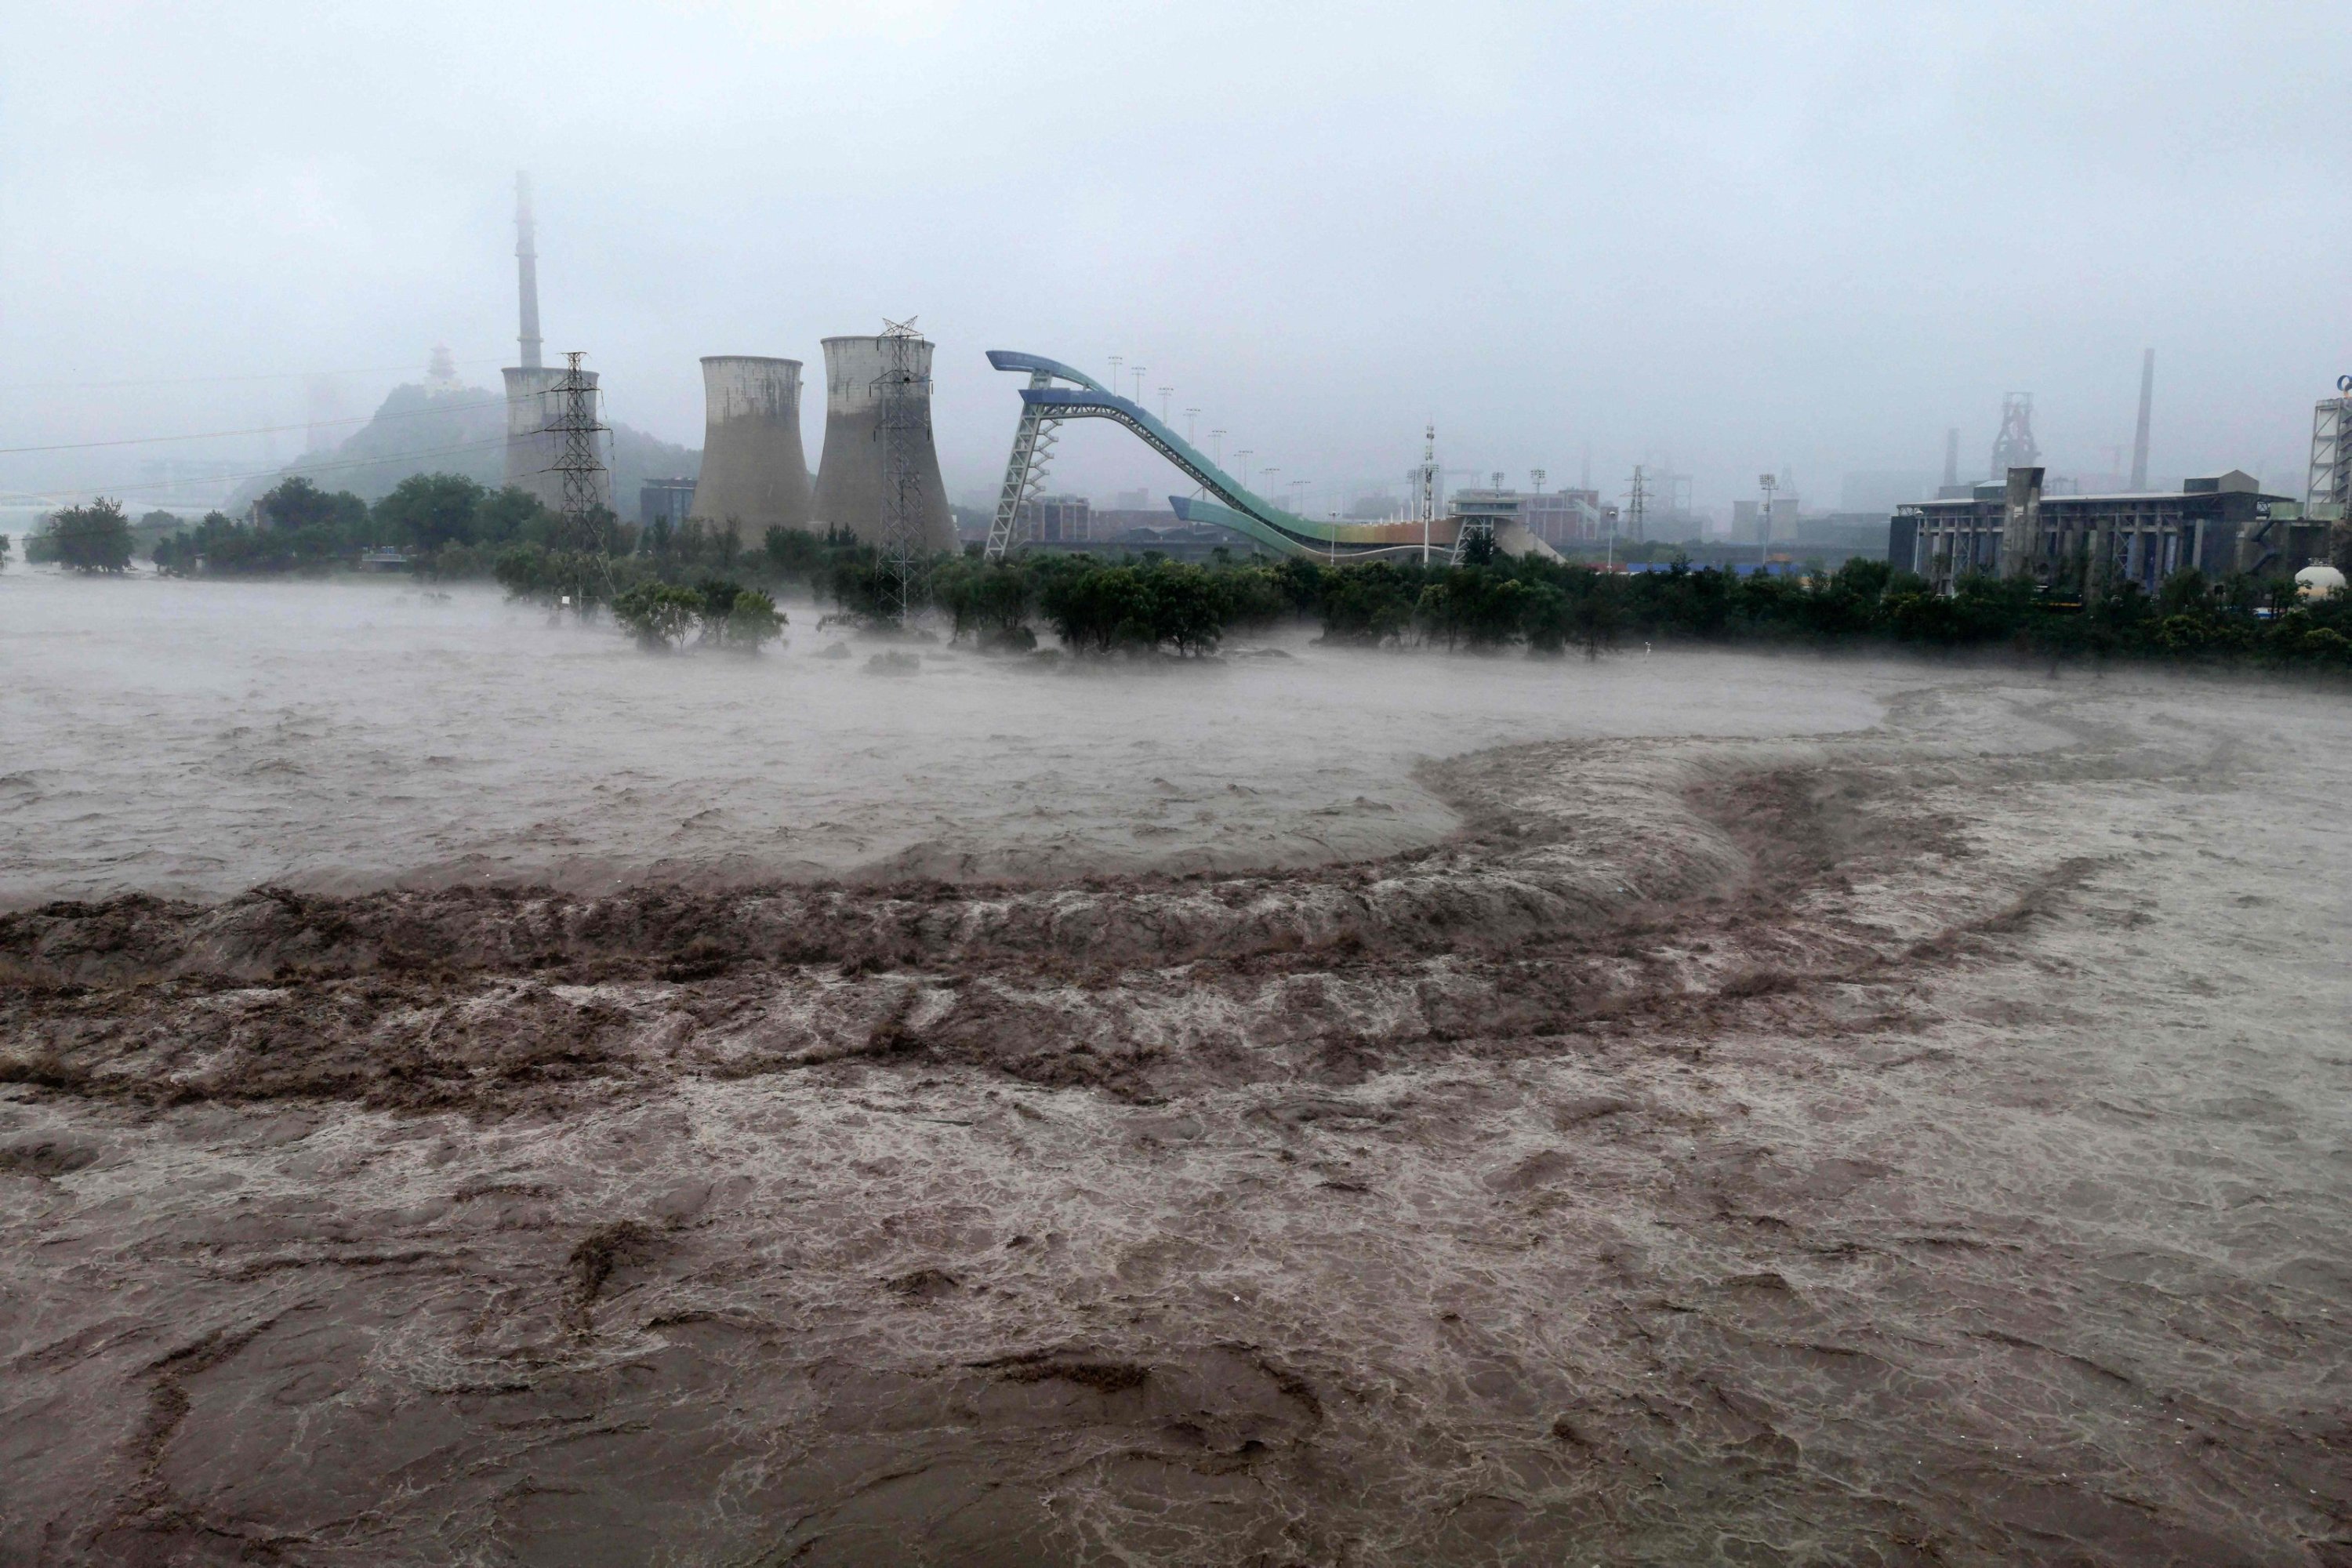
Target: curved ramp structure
<point>1044,405</point>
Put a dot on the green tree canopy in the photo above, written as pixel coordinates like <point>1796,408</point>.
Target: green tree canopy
<point>658,614</point>
<point>93,538</point>
<point>298,506</point>
<point>513,514</point>
<point>426,512</point>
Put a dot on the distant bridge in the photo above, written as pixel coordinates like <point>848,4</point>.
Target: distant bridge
<point>1043,407</point>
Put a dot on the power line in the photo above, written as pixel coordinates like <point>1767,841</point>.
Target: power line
<point>213,380</point>
<point>257,430</point>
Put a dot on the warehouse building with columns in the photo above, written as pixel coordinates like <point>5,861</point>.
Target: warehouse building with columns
<point>2220,525</point>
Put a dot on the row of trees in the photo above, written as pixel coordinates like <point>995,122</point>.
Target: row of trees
<point>1549,606</point>
<point>449,525</point>
<point>694,580</point>
<point>1096,607</point>
<point>662,615</point>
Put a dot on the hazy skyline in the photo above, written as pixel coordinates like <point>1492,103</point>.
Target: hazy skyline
<point>1814,240</point>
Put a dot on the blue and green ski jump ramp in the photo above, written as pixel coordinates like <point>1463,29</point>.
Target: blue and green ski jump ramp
<point>1044,405</point>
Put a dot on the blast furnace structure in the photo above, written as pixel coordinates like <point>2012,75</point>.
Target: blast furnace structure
<point>754,470</point>
<point>854,486</point>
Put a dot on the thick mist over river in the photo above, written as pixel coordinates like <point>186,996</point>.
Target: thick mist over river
<point>196,739</point>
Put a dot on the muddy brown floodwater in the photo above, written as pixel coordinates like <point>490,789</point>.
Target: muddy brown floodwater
<point>1681,1110</point>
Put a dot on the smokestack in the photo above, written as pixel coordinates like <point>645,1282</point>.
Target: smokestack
<point>754,472</point>
<point>527,271</point>
<point>1952,457</point>
<point>532,402</point>
<point>849,481</point>
<point>2147,400</point>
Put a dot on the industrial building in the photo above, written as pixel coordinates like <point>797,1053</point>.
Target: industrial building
<point>1056,520</point>
<point>754,473</point>
<point>1563,519</point>
<point>1750,526</point>
<point>532,447</point>
<point>853,482</point>
<point>2220,525</point>
<point>2330,495</point>
<point>665,500</point>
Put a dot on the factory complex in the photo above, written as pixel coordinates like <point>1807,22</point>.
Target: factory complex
<point>2218,526</point>
<point>878,478</point>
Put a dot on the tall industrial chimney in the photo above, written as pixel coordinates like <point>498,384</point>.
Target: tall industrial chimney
<point>2147,400</point>
<point>754,471</point>
<point>1952,457</point>
<point>532,401</point>
<point>849,480</point>
<point>527,271</point>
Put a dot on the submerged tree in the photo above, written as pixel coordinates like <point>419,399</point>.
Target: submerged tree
<point>738,617</point>
<point>93,538</point>
<point>658,614</point>
<point>991,601</point>
<point>661,616</point>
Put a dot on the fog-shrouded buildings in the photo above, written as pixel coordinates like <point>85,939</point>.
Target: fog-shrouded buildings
<point>669,500</point>
<point>2220,525</point>
<point>1056,520</point>
<point>1562,519</point>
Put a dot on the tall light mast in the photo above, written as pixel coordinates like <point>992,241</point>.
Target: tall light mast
<point>1637,500</point>
<point>1424,489</point>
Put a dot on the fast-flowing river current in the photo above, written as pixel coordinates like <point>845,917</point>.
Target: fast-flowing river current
<point>473,1091</point>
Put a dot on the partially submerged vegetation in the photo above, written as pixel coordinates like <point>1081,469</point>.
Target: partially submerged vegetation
<point>670,583</point>
<point>661,616</point>
<point>1550,608</point>
<point>442,526</point>
<point>93,539</point>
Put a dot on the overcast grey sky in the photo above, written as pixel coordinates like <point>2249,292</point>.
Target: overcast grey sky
<point>1810,235</point>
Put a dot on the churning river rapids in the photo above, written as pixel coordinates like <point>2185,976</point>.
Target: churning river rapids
<point>471,1093</point>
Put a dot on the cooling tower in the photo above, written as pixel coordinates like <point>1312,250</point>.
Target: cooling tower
<point>533,405</point>
<point>754,472</point>
<point>849,487</point>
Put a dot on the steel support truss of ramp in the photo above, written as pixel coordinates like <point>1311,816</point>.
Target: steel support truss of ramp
<point>1043,406</point>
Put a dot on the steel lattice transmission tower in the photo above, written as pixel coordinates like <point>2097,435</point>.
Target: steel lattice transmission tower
<point>1637,506</point>
<point>580,467</point>
<point>902,398</point>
